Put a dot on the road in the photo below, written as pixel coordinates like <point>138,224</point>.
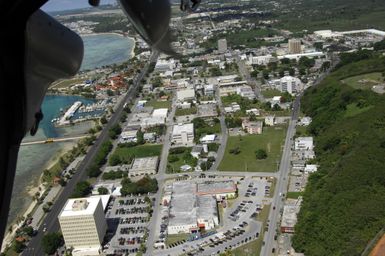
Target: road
<point>224,133</point>
<point>250,80</point>
<point>282,184</point>
<point>50,222</point>
<point>161,175</point>
<point>53,140</point>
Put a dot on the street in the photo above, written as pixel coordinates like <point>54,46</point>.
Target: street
<point>50,223</point>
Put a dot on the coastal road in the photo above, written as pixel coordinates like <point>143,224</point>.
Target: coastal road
<point>50,222</point>
<point>53,140</point>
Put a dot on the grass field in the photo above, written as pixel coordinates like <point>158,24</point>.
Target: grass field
<point>254,247</point>
<point>138,151</point>
<point>353,110</point>
<point>271,93</point>
<point>159,104</point>
<point>185,112</point>
<point>271,140</point>
<point>364,82</point>
<point>294,195</point>
<point>176,238</point>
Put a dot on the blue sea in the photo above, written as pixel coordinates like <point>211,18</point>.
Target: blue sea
<point>100,50</point>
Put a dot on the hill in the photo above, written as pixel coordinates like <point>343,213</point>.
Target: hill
<point>343,206</point>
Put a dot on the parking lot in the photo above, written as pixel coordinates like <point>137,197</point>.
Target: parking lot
<point>238,224</point>
<point>127,219</point>
<point>298,183</point>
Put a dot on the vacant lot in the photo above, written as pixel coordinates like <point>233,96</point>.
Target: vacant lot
<point>365,81</point>
<point>126,153</point>
<point>159,104</point>
<point>271,140</point>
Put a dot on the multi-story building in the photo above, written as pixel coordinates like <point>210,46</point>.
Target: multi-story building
<point>295,46</point>
<point>222,45</point>
<point>183,134</point>
<point>252,127</point>
<point>83,225</point>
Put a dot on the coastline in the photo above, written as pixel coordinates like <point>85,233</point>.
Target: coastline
<point>118,34</point>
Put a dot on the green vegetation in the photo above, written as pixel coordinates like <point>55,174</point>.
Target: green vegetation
<point>365,81</point>
<point>254,247</point>
<point>260,154</point>
<point>102,191</point>
<point>343,200</point>
<point>114,131</point>
<point>271,93</point>
<point>178,157</point>
<point>171,239</point>
<point>113,175</point>
<point>142,186</point>
<point>159,104</point>
<point>100,159</point>
<point>201,128</point>
<point>126,154</point>
<point>294,195</point>
<point>186,111</point>
<point>82,189</point>
<point>337,15</point>
<point>51,242</point>
<point>271,140</point>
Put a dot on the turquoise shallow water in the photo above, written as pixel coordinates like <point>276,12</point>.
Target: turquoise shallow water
<point>105,49</point>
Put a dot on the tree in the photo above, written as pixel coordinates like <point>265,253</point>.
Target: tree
<point>260,154</point>
<point>102,191</point>
<point>51,242</point>
<point>103,120</point>
<point>93,171</point>
<point>276,107</point>
<point>115,160</point>
<point>18,246</point>
<point>265,74</point>
<point>28,230</point>
<point>291,71</point>
<point>82,189</point>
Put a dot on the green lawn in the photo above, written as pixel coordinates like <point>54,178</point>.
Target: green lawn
<point>365,81</point>
<point>301,131</point>
<point>138,151</point>
<point>271,140</point>
<point>176,238</point>
<point>159,104</point>
<point>294,195</point>
<point>185,112</point>
<point>271,93</point>
<point>254,247</point>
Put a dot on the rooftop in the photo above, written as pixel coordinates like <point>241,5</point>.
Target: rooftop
<point>80,206</point>
<point>181,128</point>
<point>216,187</point>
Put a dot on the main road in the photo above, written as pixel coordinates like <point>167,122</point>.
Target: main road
<point>50,222</point>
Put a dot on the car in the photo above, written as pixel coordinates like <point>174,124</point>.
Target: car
<point>44,229</point>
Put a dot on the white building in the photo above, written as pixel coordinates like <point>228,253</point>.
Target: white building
<point>83,225</point>
<point>288,84</point>
<point>260,60</point>
<point>183,134</point>
<point>304,143</point>
<point>209,89</point>
<point>128,136</point>
<point>270,120</point>
<point>222,45</point>
<point>160,112</point>
<point>185,95</point>
<point>144,166</point>
<point>246,92</point>
<point>310,168</point>
<point>164,65</point>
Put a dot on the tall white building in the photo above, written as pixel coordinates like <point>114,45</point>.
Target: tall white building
<point>83,225</point>
<point>289,84</point>
<point>183,134</point>
<point>222,45</point>
<point>295,46</point>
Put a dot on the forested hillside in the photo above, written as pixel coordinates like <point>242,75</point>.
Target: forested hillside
<point>344,202</point>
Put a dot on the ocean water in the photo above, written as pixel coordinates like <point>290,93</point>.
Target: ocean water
<point>100,50</point>
<point>105,49</point>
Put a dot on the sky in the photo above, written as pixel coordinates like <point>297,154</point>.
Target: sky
<point>61,5</point>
